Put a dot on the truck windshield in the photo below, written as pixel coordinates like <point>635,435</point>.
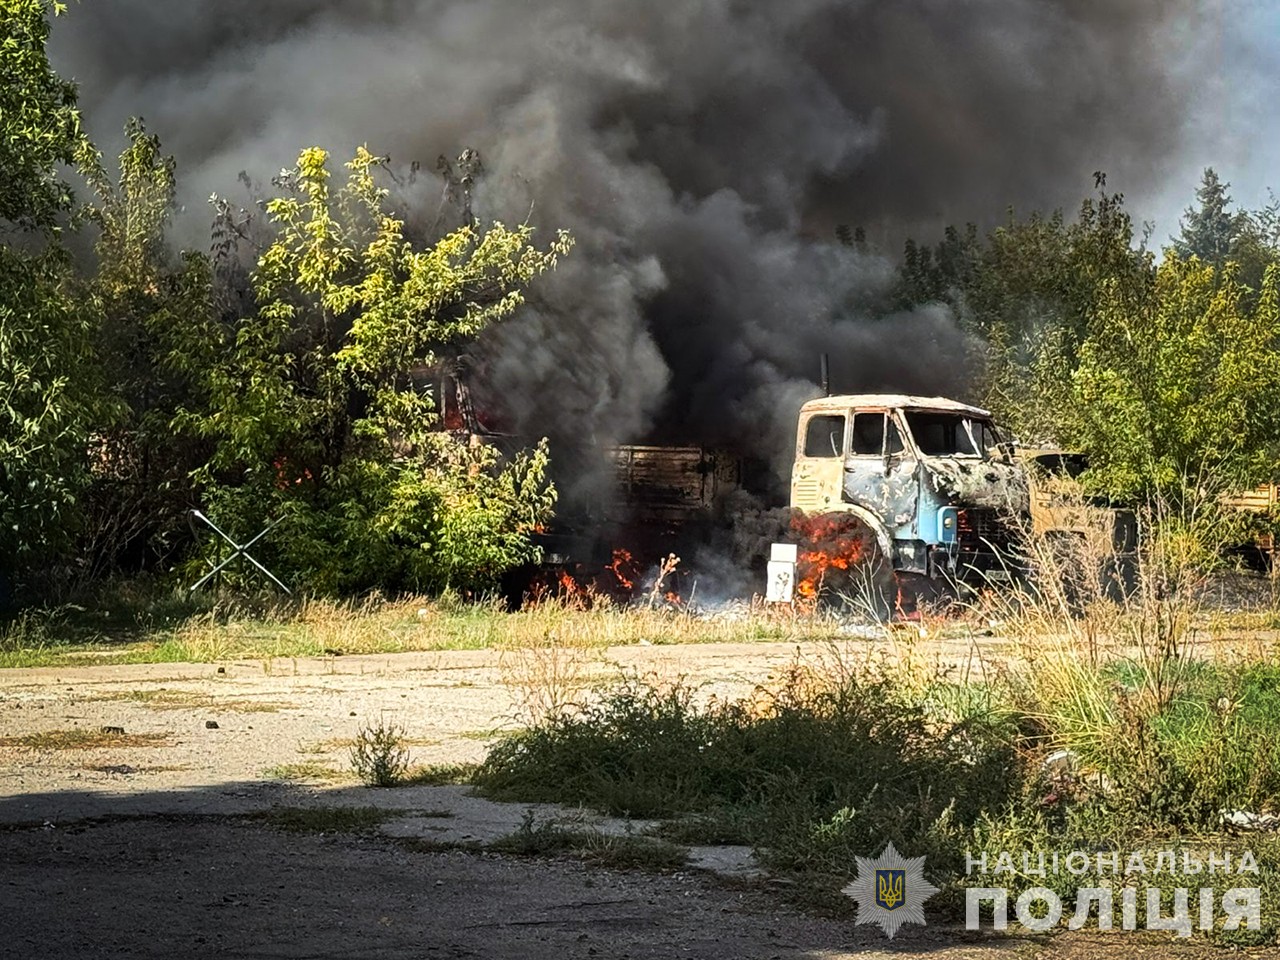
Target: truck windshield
<point>940,434</point>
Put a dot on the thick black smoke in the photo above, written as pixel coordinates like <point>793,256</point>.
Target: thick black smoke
<point>701,152</point>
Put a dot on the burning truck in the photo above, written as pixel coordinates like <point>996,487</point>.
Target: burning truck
<point>922,491</point>
<point>920,488</point>
<point>918,492</point>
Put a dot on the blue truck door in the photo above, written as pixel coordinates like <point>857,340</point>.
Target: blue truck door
<point>881,471</point>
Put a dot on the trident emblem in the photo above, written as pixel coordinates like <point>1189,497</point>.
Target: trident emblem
<point>891,888</point>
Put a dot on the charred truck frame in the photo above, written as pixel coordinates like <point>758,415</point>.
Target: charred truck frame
<point>931,479</point>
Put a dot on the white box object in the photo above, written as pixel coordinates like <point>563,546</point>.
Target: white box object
<point>784,553</point>
<point>782,581</point>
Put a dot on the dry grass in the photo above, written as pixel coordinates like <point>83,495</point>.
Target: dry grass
<point>237,630</point>
<point>343,744</point>
<point>169,699</point>
<point>78,739</point>
<point>547,675</point>
<point>440,775</point>
<point>310,771</point>
<point>1089,614</point>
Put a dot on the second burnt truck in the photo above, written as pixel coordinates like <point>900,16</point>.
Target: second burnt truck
<point>931,479</point>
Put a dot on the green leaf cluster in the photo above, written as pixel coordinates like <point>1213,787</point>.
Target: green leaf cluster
<point>317,403</point>
<point>46,403</point>
<point>1162,368</point>
<point>1179,379</point>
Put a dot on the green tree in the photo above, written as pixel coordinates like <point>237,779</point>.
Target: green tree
<point>1209,230</point>
<point>39,119</point>
<point>1027,293</point>
<point>145,298</point>
<point>316,404</point>
<point>46,409</point>
<point>46,368</point>
<point>1181,383</point>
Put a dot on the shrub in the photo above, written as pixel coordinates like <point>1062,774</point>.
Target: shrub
<point>378,755</point>
<point>814,773</point>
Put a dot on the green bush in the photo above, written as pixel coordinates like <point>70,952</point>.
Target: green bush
<point>824,769</point>
<point>316,405</point>
<point>378,756</point>
<point>814,775</point>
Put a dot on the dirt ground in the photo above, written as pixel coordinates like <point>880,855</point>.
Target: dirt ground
<point>150,847</point>
<point>274,713</point>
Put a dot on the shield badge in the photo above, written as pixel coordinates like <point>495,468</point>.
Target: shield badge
<point>891,888</point>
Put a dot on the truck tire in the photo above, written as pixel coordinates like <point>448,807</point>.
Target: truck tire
<point>919,593</point>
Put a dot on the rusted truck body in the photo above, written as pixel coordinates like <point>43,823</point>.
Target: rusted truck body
<point>1092,542</point>
<point>659,499</point>
<point>1060,507</point>
<point>672,486</point>
<point>931,478</point>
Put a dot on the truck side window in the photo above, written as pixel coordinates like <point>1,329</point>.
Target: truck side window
<point>868,434</point>
<point>824,436</point>
<point>893,444</point>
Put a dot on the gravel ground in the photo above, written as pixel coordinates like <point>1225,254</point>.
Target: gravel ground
<point>281,712</point>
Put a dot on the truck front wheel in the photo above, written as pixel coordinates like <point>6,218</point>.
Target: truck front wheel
<point>841,565</point>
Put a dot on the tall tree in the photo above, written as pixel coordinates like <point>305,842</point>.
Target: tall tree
<point>46,367</point>
<point>145,298</point>
<point>317,407</point>
<point>1209,229</point>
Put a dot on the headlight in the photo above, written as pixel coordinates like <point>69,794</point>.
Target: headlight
<point>948,524</point>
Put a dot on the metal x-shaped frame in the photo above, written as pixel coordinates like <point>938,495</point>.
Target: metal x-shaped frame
<point>238,550</point>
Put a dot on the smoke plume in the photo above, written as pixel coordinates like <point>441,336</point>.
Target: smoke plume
<point>701,151</point>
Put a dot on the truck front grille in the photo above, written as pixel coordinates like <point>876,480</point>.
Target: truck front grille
<point>982,529</point>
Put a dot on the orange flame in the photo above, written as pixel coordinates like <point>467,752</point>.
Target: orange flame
<point>828,542</point>
<point>626,577</point>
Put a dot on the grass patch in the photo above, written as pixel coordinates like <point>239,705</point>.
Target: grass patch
<point>481,735</point>
<point>829,765</point>
<point>440,775</point>
<point>721,829</point>
<point>131,625</point>
<point>309,771</point>
<point>814,773</point>
<point>625,851</point>
<point>329,819</point>
<point>168,699</point>
<point>378,756</point>
<point>79,739</point>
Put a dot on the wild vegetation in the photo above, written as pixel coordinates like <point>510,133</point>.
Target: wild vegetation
<point>1110,726</point>
<point>281,376</point>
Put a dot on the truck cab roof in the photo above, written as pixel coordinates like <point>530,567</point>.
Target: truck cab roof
<point>891,401</point>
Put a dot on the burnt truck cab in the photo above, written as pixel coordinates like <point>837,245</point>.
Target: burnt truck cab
<point>930,477</point>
